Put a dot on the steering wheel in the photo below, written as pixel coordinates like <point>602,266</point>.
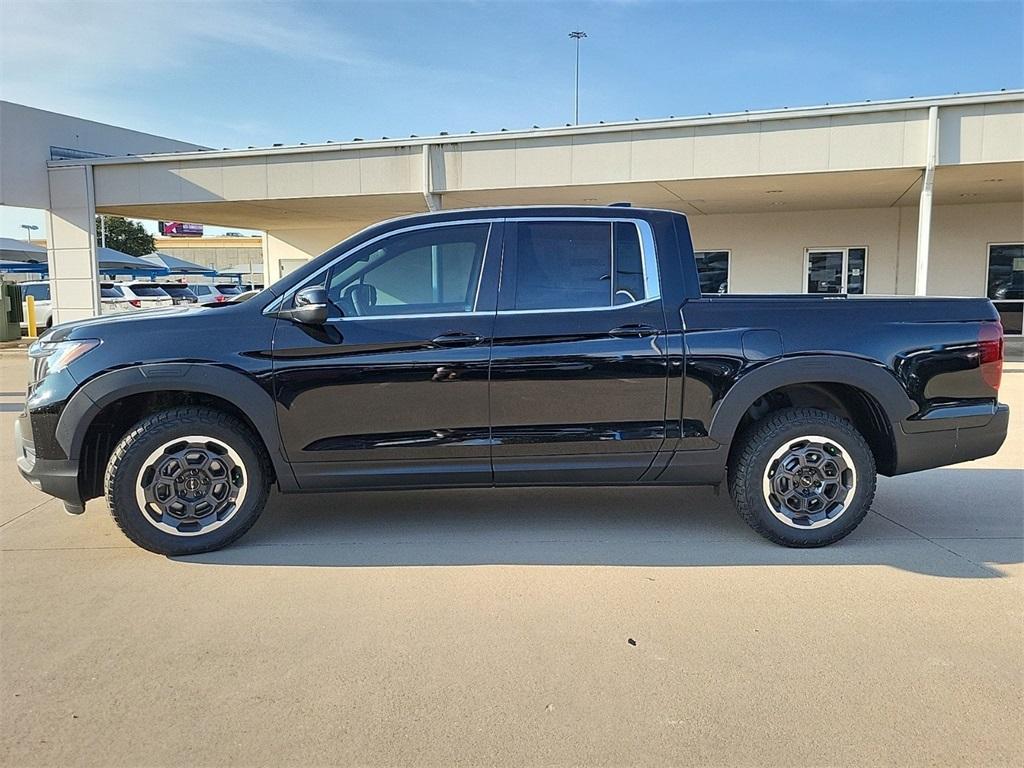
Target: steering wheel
<point>360,297</point>
<point>630,298</point>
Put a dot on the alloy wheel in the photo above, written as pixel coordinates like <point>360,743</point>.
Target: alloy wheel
<point>191,485</point>
<point>809,482</point>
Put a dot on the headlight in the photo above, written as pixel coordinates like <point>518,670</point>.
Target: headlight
<point>53,356</point>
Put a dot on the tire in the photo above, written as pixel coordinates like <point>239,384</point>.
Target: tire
<point>802,477</point>
<point>187,480</point>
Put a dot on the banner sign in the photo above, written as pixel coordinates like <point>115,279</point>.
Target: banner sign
<point>180,229</point>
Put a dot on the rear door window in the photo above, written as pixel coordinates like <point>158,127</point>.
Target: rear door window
<point>627,258</point>
<point>578,265</point>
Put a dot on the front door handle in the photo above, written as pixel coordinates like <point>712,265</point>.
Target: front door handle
<point>633,331</point>
<point>457,339</point>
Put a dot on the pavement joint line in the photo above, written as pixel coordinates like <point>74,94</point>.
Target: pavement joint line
<point>302,545</point>
<point>27,512</point>
<point>66,549</point>
<point>293,545</point>
<point>981,566</point>
<point>401,543</point>
<point>405,543</point>
<point>979,538</point>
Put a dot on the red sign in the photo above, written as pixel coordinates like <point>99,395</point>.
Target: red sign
<point>180,229</point>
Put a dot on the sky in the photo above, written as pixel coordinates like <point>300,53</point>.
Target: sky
<point>238,74</point>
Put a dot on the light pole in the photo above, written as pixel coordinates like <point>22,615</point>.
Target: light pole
<point>577,36</point>
<point>29,229</point>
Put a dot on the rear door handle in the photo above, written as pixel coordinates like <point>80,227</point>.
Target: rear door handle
<point>633,331</point>
<point>457,339</point>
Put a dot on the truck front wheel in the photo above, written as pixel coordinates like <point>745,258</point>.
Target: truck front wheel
<point>187,480</point>
<point>802,477</point>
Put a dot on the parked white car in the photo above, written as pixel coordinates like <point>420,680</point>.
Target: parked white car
<point>40,291</point>
<point>114,297</point>
<point>139,295</point>
<point>210,293</point>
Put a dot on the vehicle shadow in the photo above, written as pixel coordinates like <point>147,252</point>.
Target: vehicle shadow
<point>950,522</point>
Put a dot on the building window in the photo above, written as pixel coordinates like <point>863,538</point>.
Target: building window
<point>836,270</point>
<point>1006,285</point>
<point>713,271</point>
<point>290,265</point>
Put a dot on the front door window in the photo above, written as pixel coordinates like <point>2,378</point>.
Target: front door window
<point>836,270</point>
<point>433,270</point>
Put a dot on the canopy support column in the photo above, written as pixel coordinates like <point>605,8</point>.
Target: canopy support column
<point>430,195</point>
<point>924,213</point>
<point>71,244</point>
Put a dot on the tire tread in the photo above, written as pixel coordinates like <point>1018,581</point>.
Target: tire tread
<point>767,431</point>
<point>167,420</point>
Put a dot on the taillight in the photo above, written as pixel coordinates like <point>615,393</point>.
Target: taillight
<point>220,297</point>
<point>990,340</point>
<point>135,302</point>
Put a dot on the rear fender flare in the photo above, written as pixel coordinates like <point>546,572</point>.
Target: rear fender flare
<point>873,378</point>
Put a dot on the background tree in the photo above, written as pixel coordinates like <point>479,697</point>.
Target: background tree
<point>126,236</point>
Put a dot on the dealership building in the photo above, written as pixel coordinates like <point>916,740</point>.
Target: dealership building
<point>910,196</point>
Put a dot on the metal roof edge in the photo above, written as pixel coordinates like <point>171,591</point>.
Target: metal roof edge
<point>725,118</point>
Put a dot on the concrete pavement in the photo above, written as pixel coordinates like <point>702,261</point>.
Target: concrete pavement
<point>493,627</point>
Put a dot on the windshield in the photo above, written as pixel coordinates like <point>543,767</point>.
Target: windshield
<point>111,292</point>
<point>228,289</point>
<point>178,291</point>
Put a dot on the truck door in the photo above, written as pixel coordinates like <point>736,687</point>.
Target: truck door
<point>578,364</point>
<point>392,390</point>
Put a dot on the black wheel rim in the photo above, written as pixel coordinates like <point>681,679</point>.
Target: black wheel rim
<point>809,482</point>
<point>191,485</point>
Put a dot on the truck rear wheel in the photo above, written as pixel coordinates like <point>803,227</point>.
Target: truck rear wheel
<point>802,477</point>
<point>187,480</point>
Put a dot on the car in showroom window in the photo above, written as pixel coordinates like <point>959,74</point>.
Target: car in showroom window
<point>1006,285</point>
<point>713,270</point>
<point>836,270</point>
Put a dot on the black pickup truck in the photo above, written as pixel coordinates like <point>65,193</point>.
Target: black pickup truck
<point>506,347</point>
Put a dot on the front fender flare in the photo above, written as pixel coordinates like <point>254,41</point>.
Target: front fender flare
<point>873,378</point>
<point>234,387</point>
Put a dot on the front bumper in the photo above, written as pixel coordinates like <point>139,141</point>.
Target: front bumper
<point>961,436</point>
<point>57,477</point>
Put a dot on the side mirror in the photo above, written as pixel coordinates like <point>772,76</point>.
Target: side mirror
<point>310,307</point>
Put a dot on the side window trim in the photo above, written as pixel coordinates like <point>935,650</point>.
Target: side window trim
<point>648,249</point>
<point>648,261</point>
<point>321,275</point>
<point>560,310</point>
